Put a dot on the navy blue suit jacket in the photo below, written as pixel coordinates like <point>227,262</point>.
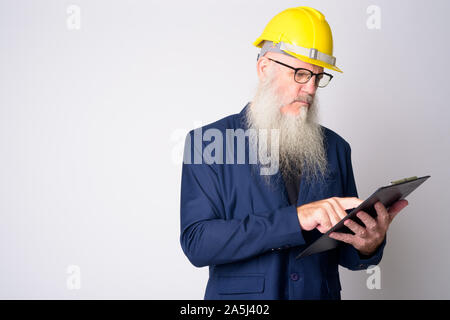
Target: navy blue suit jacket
<point>249,234</point>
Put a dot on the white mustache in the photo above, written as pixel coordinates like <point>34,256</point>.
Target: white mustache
<point>307,98</point>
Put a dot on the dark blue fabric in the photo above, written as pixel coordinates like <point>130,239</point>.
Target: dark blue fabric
<point>249,234</point>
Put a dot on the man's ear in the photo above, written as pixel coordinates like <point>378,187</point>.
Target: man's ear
<point>262,66</point>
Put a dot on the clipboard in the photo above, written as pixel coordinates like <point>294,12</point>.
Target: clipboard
<point>387,195</point>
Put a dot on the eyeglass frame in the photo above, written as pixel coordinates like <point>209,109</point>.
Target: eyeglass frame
<point>312,73</point>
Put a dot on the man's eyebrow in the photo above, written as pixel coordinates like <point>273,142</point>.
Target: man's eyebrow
<point>309,70</point>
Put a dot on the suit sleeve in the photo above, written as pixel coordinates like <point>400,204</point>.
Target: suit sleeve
<point>349,257</point>
<point>208,238</point>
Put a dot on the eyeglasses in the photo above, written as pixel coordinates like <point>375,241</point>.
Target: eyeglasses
<point>302,75</point>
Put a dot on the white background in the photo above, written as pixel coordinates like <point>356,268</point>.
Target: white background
<point>92,123</point>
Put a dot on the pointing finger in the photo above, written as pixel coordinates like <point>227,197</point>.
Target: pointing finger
<point>338,208</point>
<point>348,203</point>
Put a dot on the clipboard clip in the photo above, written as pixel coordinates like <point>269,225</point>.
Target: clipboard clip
<point>404,180</point>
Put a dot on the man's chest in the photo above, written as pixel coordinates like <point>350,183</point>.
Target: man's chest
<point>244,191</point>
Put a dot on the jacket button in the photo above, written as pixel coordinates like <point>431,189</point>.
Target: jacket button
<point>294,276</point>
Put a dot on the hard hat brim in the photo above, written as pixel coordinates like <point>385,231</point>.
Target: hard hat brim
<point>315,62</point>
<point>259,43</point>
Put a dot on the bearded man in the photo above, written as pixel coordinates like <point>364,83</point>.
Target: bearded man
<point>249,227</point>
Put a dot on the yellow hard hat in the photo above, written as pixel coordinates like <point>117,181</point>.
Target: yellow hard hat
<point>303,33</point>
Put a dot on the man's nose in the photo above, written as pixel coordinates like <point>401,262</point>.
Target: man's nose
<point>310,87</point>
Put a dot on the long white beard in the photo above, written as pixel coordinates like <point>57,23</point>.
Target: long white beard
<point>301,143</point>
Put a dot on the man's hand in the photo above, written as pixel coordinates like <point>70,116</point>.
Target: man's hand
<point>366,240</point>
<point>324,214</point>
